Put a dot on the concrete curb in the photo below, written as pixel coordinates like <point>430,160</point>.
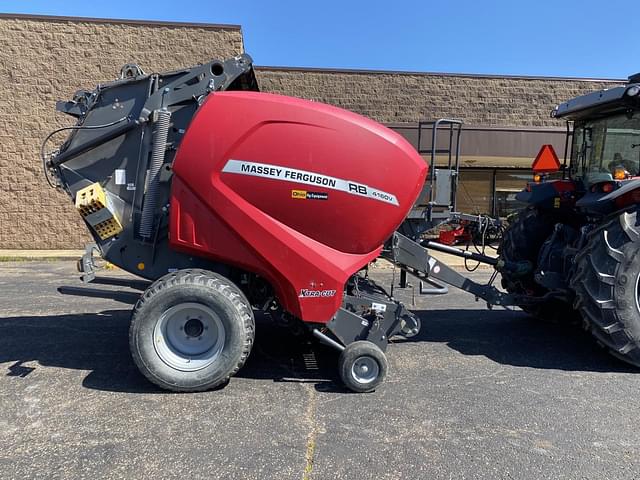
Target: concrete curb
<point>452,261</point>
<point>21,255</point>
<point>7,255</point>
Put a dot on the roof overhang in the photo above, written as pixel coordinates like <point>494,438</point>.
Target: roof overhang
<point>600,103</point>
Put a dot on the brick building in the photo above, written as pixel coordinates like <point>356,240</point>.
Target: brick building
<point>45,59</point>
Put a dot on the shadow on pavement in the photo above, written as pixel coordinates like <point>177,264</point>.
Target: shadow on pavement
<point>123,297</point>
<point>135,283</point>
<point>130,297</point>
<point>98,343</point>
<point>513,338</point>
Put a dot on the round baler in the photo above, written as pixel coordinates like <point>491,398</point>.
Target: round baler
<point>230,199</point>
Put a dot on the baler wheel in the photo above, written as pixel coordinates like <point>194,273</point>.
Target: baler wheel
<point>607,286</point>
<point>191,331</point>
<point>362,366</point>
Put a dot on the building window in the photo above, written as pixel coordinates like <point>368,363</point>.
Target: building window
<point>507,184</point>
<point>475,192</point>
<point>491,191</point>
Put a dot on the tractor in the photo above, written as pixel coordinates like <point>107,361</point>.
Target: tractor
<point>575,246</point>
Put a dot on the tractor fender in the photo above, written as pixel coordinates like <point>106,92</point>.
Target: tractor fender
<point>546,195</point>
<point>626,188</point>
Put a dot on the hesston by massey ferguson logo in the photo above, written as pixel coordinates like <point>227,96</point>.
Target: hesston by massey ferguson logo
<point>306,292</point>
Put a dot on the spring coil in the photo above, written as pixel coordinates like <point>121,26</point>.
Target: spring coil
<point>153,180</point>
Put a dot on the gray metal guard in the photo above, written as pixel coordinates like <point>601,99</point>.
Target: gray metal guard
<point>415,259</point>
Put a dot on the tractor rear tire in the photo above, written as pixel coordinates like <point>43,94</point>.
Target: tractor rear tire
<point>191,331</point>
<point>521,242</point>
<point>606,282</point>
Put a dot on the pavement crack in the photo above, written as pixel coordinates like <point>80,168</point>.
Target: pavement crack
<point>310,418</point>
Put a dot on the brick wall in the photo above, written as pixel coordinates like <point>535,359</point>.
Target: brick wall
<point>393,98</point>
<point>44,60</point>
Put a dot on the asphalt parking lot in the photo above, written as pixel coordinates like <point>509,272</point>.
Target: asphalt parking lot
<point>478,394</point>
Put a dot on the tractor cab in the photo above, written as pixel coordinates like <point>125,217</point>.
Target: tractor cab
<point>602,150</point>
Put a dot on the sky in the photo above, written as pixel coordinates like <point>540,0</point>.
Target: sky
<point>566,38</point>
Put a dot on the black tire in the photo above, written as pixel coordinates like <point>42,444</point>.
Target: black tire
<point>356,356</point>
<point>223,306</point>
<point>606,285</point>
<point>521,242</point>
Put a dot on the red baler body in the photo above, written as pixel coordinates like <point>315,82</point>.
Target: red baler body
<point>301,193</point>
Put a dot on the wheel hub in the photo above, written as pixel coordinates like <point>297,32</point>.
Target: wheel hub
<point>193,327</point>
<point>365,369</point>
<point>189,336</point>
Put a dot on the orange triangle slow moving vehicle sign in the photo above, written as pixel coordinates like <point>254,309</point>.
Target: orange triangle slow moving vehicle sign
<point>546,160</point>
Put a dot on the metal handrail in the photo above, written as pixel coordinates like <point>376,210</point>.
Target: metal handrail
<point>434,150</point>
